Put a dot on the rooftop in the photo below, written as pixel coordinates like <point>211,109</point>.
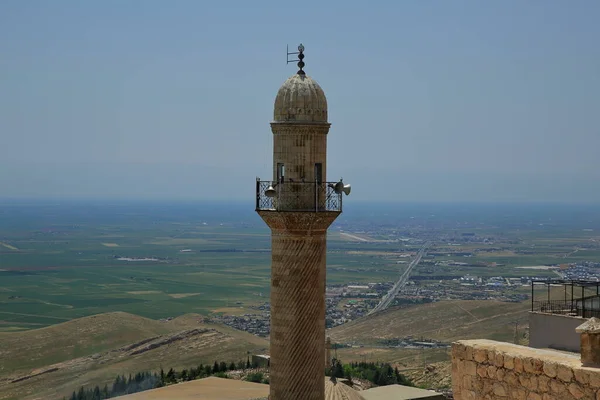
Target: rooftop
<point>211,388</point>
<point>399,392</point>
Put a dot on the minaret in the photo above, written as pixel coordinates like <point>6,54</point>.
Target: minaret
<point>299,205</point>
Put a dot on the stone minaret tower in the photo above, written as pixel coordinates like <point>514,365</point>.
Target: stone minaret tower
<point>299,205</point>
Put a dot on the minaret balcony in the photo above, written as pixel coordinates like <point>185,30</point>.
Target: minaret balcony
<point>290,195</point>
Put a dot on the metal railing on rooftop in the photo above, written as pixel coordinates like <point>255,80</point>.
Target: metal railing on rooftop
<point>562,307</point>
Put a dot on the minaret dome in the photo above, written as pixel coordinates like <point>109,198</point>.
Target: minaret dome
<point>300,99</point>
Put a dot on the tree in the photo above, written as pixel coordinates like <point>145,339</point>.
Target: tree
<point>96,394</point>
<point>338,369</point>
<point>170,378</point>
<point>223,366</point>
<point>377,377</point>
<point>119,385</point>
<point>232,366</point>
<point>216,368</point>
<point>248,365</point>
<point>105,393</point>
<point>255,377</point>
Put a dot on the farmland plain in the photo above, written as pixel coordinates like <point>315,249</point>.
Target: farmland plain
<point>65,260</point>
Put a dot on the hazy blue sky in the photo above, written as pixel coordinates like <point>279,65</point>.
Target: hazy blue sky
<point>429,100</point>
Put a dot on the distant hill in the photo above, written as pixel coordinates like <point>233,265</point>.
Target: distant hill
<point>51,362</point>
<point>444,321</point>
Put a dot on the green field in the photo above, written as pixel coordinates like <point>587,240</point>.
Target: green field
<point>61,261</point>
<point>56,270</point>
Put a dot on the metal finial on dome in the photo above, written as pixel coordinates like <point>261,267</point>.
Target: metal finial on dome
<point>301,57</point>
<point>300,53</point>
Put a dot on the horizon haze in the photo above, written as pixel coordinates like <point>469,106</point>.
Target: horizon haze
<point>438,102</point>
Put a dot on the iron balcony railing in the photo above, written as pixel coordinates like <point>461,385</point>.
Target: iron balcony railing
<point>563,307</point>
<point>297,196</point>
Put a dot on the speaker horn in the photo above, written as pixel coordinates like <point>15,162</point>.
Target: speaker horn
<point>270,192</point>
<point>340,187</point>
<point>347,189</point>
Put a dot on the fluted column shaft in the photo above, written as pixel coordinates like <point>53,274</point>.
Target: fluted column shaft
<point>298,275</point>
<point>298,315</point>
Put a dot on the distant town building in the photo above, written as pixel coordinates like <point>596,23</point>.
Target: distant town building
<point>260,360</point>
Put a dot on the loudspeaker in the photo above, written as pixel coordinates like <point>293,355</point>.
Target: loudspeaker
<point>340,187</point>
<point>270,192</point>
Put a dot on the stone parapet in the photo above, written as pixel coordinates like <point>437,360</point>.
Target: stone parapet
<point>489,370</point>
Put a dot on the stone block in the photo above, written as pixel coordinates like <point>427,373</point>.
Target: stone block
<point>538,366</point>
<point>499,360</point>
<point>487,386</point>
<point>557,387</point>
<point>469,395</point>
<point>518,364</point>
<point>534,396</point>
<point>458,351</point>
<point>564,373</point>
<point>511,378</point>
<point>590,350</point>
<point>500,390</point>
<point>595,379</point>
<point>582,376</point>
<point>467,382</point>
<point>477,384</point>
<point>518,394</point>
<point>528,365</point>
<point>470,368</point>
<point>480,356</point>
<point>509,362</point>
<point>576,391</point>
<point>533,383</point>
<point>543,384</point>
<point>500,374</point>
<point>469,353</point>
<point>550,369</point>
<point>482,371</point>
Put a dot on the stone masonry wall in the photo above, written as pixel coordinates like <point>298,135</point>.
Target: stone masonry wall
<point>489,370</point>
